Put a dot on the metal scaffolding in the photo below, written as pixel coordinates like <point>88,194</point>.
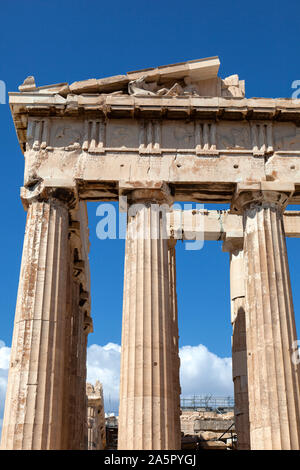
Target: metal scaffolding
<point>207,402</point>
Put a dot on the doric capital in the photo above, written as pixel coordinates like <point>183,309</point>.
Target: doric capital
<point>43,192</point>
<point>263,194</point>
<point>155,192</point>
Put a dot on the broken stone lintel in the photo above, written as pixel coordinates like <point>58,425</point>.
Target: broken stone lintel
<point>221,226</point>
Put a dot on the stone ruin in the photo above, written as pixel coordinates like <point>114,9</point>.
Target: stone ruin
<point>95,417</point>
<point>172,133</point>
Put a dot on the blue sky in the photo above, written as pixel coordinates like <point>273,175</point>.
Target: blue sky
<point>58,41</point>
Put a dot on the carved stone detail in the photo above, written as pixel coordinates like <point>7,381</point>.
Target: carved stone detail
<point>38,133</point>
<point>155,136</point>
<point>145,86</point>
<point>232,86</point>
<point>205,138</point>
<point>231,136</point>
<point>262,138</point>
<point>150,137</point>
<point>68,137</point>
<point>94,139</point>
<point>287,137</point>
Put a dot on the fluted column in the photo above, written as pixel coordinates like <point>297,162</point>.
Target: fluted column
<point>76,414</point>
<point>79,325</point>
<point>88,328</point>
<point>33,409</point>
<point>67,368</point>
<point>146,414</point>
<point>80,382</point>
<point>82,402</point>
<point>273,378</point>
<point>73,441</point>
<point>176,359</point>
<point>239,343</point>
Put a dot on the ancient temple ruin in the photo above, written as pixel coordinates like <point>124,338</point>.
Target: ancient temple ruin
<point>95,417</point>
<point>155,136</point>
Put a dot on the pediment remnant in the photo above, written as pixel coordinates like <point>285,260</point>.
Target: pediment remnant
<point>191,78</point>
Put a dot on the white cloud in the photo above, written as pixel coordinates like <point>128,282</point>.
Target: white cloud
<point>201,372</point>
<point>103,363</point>
<point>4,364</point>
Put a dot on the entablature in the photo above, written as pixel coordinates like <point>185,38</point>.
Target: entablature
<point>179,123</point>
<point>186,109</point>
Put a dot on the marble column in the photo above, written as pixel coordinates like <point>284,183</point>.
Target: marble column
<point>80,382</point>
<point>273,378</point>
<point>146,414</point>
<point>76,407</point>
<point>73,441</point>
<point>79,326</point>
<point>176,359</point>
<point>82,401</point>
<point>239,344</point>
<point>33,409</point>
<point>67,429</point>
<point>88,328</point>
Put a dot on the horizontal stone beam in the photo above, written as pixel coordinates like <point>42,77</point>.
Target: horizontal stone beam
<point>219,225</point>
<point>44,105</point>
<point>217,425</point>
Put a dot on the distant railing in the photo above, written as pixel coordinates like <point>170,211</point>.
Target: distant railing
<point>206,401</point>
